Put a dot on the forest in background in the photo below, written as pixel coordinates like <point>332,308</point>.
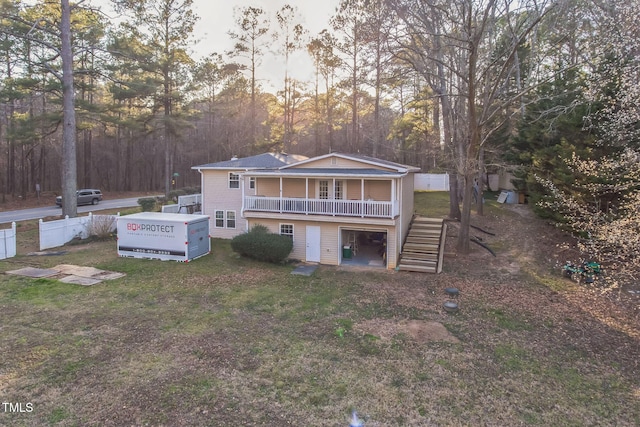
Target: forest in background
<point>142,101</point>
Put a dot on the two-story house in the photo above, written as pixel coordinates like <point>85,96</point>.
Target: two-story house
<point>334,207</point>
<point>223,189</point>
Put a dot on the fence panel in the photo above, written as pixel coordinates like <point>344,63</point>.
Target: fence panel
<point>8,242</point>
<point>57,233</point>
<point>189,204</point>
<point>431,182</point>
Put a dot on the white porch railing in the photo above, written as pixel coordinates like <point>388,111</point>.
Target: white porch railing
<point>353,208</point>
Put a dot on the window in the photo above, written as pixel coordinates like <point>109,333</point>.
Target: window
<point>234,180</point>
<point>286,230</point>
<point>323,189</point>
<point>219,219</point>
<point>252,183</point>
<point>225,219</point>
<point>231,219</point>
<point>338,191</point>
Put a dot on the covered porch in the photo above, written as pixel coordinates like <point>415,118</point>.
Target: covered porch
<point>348,194</point>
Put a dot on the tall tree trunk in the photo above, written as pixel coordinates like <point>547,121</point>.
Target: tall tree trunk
<point>69,166</point>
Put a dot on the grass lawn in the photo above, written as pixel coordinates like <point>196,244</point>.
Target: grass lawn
<point>225,341</point>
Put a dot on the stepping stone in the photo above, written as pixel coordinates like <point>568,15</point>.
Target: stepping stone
<point>304,270</point>
<point>34,272</point>
<point>77,280</point>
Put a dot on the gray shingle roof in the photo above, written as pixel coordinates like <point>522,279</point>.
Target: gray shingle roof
<point>261,161</point>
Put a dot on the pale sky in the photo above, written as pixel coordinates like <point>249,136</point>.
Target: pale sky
<point>217,19</point>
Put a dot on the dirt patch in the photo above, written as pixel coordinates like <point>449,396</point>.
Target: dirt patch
<point>420,331</point>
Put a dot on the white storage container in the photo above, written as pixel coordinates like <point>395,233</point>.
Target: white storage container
<point>164,236</point>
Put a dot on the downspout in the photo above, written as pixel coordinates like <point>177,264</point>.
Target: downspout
<point>243,194</point>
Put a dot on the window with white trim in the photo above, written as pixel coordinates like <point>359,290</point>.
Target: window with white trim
<point>323,189</point>
<point>234,180</point>
<point>231,219</point>
<point>338,190</point>
<point>286,230</point>
<point>219,215</point>
<point>252,182</point>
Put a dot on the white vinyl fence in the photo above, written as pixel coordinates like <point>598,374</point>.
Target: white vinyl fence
<point>189,204</point>
<point>8,242</point>
<point>57,233</point>
<point>431,182</point>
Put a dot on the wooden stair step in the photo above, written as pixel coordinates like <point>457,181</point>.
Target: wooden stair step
<point>422,239</point>
<point>421,246</point>
<point>417,268</point>
<point>425,220</point>
<point>419,262</point>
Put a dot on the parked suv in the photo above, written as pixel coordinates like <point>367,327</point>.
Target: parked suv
<point>85,197</point>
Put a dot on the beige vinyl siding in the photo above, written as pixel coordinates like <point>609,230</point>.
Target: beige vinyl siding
<point>353,189</point>
<point>268,187</point>
<point>377,190</point>
<point>294,187</point>
<point>330,244</point>
<point>217,196</point>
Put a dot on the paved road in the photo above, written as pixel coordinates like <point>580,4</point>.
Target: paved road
<point>45,211</point>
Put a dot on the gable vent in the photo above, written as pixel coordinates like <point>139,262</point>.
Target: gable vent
<point>334,161</point>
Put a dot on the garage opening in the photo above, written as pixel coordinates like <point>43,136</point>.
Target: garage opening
<point>364,247</point>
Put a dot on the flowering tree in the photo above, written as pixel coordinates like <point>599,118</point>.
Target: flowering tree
<point>602,208</point>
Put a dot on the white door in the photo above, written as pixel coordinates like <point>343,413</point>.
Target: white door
<point>313,243</point>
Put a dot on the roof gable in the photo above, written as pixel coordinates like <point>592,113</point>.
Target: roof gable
<point>342,161</point>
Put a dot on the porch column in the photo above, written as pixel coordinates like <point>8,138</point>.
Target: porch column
<point>280,194</point>
<point>393,197</point>
<point>333,192</point>
<point>362,197</point>
<point>306,196</point>
<point>242,208</point>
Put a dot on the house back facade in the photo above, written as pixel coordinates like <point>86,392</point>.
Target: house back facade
<point>336,208</point>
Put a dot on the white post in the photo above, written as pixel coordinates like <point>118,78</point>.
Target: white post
<point>40,223</point>
<point>280,194</point>
<point>393,197</point>
<point>362,197</point>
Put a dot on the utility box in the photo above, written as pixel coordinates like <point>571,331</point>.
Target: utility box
<point>164,236</point>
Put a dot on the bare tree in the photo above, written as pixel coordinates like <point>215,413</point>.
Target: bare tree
<point>453,44</point>
<point>253,26</point>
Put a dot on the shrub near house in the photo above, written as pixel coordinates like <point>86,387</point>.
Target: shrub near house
<point>262,245</point>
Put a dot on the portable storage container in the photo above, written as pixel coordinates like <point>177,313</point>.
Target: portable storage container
<point>164,236</point>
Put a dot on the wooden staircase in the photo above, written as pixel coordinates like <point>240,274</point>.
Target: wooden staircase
<point>423,248</point>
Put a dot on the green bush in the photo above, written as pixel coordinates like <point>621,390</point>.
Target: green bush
<point>148,204</point>
<point>174,194</point>
<point>262,245</point>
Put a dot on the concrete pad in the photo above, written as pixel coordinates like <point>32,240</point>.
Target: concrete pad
<point>34,272</point>
<point>108,275</point>
<point>304,270</point>
<point>78,280</point>
<point>77,270</point>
